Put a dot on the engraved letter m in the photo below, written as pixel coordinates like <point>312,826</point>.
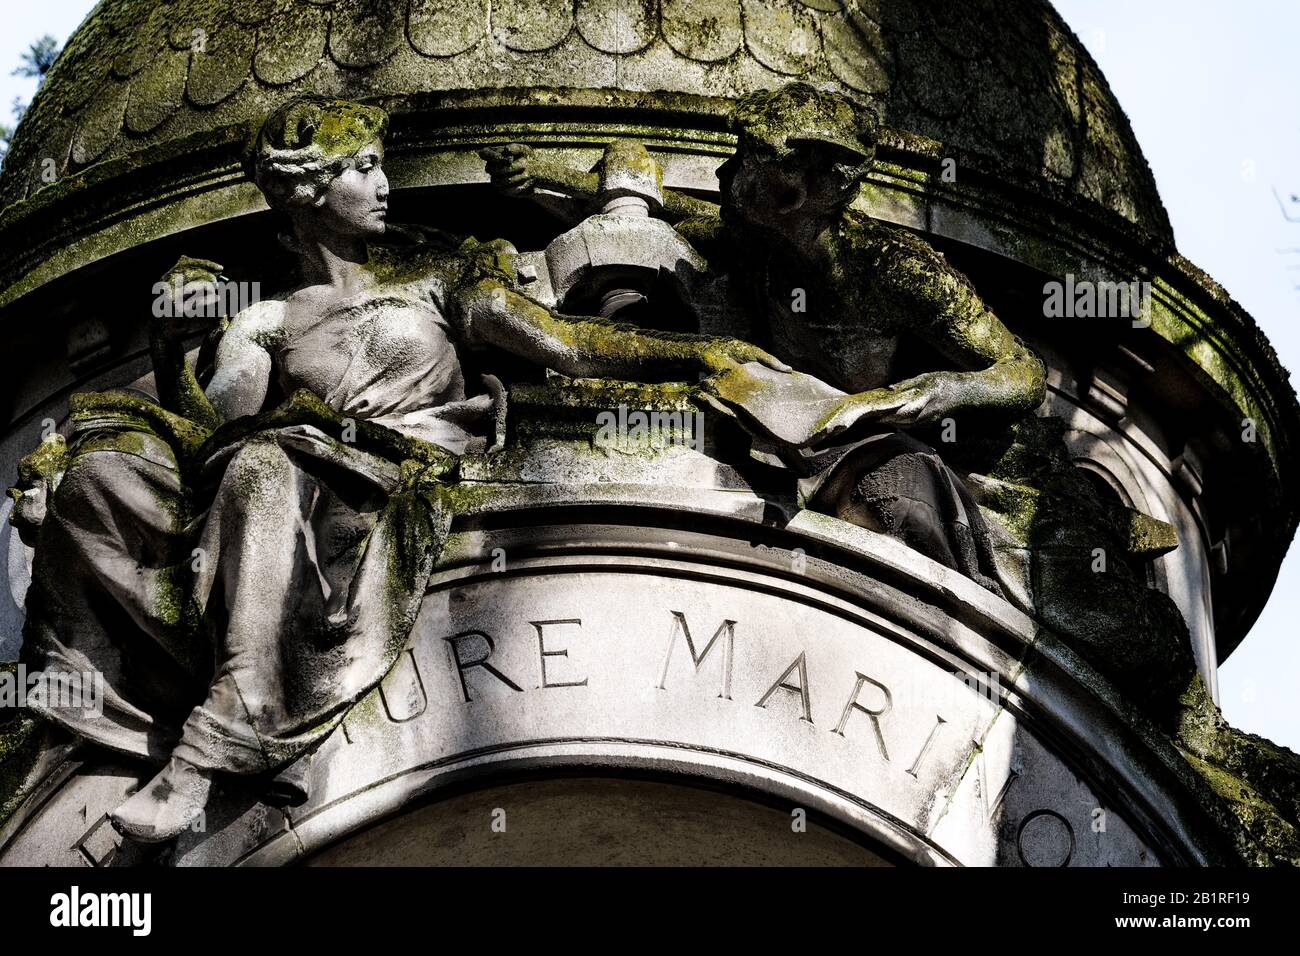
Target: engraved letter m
<point>728,648</point>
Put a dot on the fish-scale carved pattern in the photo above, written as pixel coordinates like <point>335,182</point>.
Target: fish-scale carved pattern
<point>222,67</point>
<point>156,91</point>
<point>704,30</point>
<point>290,43</point>
<point>618,26</point>
<point>364,33</point>
<point>782,35</point>
<point>1001,77</point>
<point>444,28</point>
<point>251,13</point>
<point>531,26</point>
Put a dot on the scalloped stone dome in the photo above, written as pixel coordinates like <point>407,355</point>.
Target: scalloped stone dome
<point>1001,78</point>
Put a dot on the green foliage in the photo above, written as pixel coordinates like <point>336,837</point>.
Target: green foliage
<point>39,57</point>
<point>36,62</point>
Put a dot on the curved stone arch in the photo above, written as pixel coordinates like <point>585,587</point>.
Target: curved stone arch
<point>945,793</point>
<point>1109,479</point>
<point>1106,476</point>
<point>1131,474</point>
<point>738,774</point>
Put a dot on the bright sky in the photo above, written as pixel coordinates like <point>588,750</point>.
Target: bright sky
<point>1213,92</point>
<point>20,24</point>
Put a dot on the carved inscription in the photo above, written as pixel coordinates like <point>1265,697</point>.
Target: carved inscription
<point>681,628</point>
<point>800,663</point>
<point>461,645</point>
<point>855,705</point>
<point>869,705</point>
<point>544,653</point>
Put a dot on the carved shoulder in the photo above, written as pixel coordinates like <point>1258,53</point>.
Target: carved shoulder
<point>423,261</point>
<point>898,269</point>
<point>261,324</point>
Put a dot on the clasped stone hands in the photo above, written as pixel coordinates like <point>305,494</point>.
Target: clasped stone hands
<point>916,401</point>
<point>801,411</point>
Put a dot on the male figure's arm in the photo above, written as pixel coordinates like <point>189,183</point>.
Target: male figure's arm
<point>932,300</point>
<point>568,192</point>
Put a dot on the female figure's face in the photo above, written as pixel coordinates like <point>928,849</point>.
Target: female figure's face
<point>356,202</point>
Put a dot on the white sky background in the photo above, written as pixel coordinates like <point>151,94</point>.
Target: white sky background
<point>21,22</point>
<point>1213,93</point>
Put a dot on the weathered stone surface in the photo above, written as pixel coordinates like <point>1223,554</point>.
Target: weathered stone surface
<point>748,679</point>
<point>599,821</point>
<point>222,68</point>
<point>894,52</point>
<point>1258,781</point>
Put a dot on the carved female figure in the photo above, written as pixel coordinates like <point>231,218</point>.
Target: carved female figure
<point>242,577</point>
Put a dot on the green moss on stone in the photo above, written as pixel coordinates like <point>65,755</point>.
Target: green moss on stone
<point>21,743</point>
<point>46,463</point>
<point>1084,555</point>
<point>1148,536</point>
<point>1266,838</point>
<point>1257,779</point>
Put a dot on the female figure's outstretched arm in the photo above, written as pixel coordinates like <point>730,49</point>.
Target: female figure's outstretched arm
<point>588,347</point>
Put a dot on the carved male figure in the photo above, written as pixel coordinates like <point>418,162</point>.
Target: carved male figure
<point>841,296</point>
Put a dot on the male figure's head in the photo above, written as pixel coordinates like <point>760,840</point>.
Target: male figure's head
<point>800,155</point>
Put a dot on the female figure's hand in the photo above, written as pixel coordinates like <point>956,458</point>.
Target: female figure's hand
<point>189,290</point>
<point>721,355</point>
<point>508,167</point>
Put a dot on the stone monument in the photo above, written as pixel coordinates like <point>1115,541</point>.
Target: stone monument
<point>735,431</point>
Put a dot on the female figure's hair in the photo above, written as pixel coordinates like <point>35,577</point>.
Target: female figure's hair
<point>306,143</point>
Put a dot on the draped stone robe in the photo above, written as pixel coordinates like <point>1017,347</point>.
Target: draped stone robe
<point>274,581</point>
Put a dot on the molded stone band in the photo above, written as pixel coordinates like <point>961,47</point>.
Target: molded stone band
<point>854,697</point>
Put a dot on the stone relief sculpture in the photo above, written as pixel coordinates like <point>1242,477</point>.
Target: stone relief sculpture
<point>240,576</point>
<point>243,559</point>
<point>847,300</point>
<point>834,293</point>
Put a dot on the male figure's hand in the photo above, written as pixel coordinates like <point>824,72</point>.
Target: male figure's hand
<point>917,401</point>
<point>722,355</point>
